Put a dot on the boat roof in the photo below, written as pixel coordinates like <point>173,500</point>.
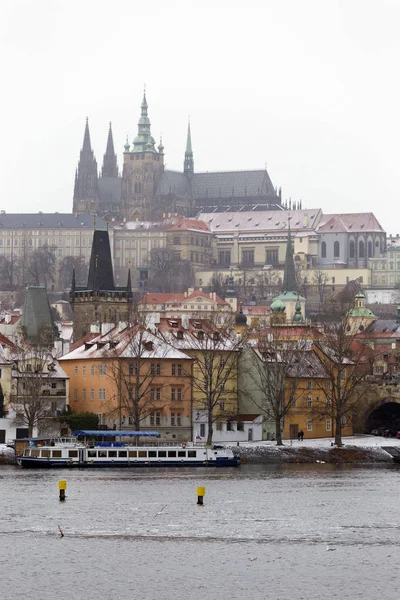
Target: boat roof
<point>113,433</point>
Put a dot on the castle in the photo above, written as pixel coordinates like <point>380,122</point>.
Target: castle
<point>146,190</point>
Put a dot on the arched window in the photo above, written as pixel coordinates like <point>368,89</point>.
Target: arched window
<point>323,250</point>
<point>138,187</point>
<point>352,249</point>
<point>336,250</point>
<point>370,250</point>
<point>361,249</point>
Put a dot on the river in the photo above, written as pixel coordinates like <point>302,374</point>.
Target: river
<point>284,532</point>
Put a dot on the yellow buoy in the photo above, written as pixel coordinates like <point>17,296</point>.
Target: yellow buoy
<point>62,486</point>
<point>201,492</point>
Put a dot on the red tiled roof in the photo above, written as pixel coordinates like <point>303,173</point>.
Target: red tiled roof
<point>5,341</point>
<point>190,224</point>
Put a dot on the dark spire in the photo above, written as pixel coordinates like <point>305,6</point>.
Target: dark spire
<point>101,277</point>
<point>73,283</point>
<point>110,167</point>
<point>86,146</point>
<point>188,165</point>
<point>289,275</point>
<point>129,283</point>
<point>86,177</point>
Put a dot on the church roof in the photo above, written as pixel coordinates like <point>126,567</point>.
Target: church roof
<point>227,184</point>
<point>353,222</point>
<point>173,182</point>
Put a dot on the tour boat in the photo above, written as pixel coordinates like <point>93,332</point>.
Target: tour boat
<point>73,452</point>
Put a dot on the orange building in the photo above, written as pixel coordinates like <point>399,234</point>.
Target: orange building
<point>132,379</point>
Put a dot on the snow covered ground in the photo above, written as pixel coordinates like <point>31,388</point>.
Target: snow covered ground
<point>5,451</point>
<point>362,441</point>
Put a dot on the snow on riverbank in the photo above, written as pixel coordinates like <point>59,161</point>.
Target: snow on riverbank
<point>356,449</point>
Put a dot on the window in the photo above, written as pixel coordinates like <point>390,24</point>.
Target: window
<point>155,394</point>
<point>271,256</point>
<point>92,369</point>
<point>103,370</point>
<point>53,385</point>
<point>102,394</point>
<point>309,385</point>
<point>352,250</point>
<point>328,385</point>
<point>155,369</point>
<point>294,402</point>
<point>361,249</point>
<point>177,369</point>
<point>177,241</point>
<point>172,419</point>
<point>229,426</point>
<point>179,419</point>
<point>218,425</point>
<point>75,371</point>
<point>92,394</point>
<point>309,402</point>
<point>202,430</point>
<point>224,257</point>
<point>240,426</point>
<point>328,400</point>
<point>333,279</point>
<point>176,394</point>
<point>75,394</point>
<point>323,250</point>
<point>328,425</point>
<point>309,425</point>
<point>132,369</point>
<point>84,394</point>
<point>152,419</point>
<point>336,250</point>
<point>370,250</point>
<point>343,421</point>
<point>248,257</point>
<point>84,371</point>
<point>158,419</point>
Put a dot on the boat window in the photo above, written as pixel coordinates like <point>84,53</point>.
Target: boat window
<point>102,454</point>
<point>142,453</point>
<point>35,452</point>
<point>172,453</point>
<point>112,454</point>
<point>152,453</point>
<point>45,454</point>
<point>181,453</point>
<point>192,453</point>
<point>56,453</point>
<point>122,454</point>
<point>73,453</point>
<point>132,453</point>
<point>91,453</point>
<point>27,452</point>
<point>162,453</point>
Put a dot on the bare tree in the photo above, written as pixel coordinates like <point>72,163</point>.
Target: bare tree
<point>276,367</point>
<point>32,396</point>
<point>40,266</point>
<point>219,284</point>
<point>320,280</point>
<point>345,351</point>
<point>7,273</point>
<point>266,283</point>
<point>168,273</point>
<point>66,268</point>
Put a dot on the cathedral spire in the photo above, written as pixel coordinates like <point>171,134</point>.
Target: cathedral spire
<point>188,165</point>
<point>86,195</point>
<point>110,167</point>
<point>289,275</point>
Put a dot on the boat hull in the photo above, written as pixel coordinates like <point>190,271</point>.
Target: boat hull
<point>41,463</point>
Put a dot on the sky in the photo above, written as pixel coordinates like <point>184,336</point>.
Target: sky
<point>309,89</point>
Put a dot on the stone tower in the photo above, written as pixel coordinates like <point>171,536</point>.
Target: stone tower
<point>100,301</point>
<point>143,167</point>
<point>86,189</point>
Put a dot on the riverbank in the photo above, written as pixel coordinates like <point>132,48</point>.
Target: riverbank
<point>355,449</point>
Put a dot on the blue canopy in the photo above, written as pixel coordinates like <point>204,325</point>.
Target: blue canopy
<point>113,433</point>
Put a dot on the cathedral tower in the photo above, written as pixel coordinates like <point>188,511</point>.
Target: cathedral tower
<point>143,167</point>
<point>188,164</point>
<point>86,190</point>
<point>110,166</point>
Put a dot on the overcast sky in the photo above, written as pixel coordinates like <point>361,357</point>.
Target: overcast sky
<point>309,88</point>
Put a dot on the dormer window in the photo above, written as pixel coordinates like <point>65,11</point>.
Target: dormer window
<point>179,335</point>
<point>200,335</point>
<point>216,336</point>
<point>148,345</point>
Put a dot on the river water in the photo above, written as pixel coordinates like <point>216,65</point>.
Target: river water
<point>278,532</point>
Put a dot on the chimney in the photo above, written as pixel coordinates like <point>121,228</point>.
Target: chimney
<point>7,319</point>
<point>214,296</point>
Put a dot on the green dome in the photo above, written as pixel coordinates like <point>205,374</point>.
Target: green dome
<point>278,306</point>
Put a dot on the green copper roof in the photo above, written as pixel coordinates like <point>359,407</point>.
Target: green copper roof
<point>360,312</point>
<point>144,142</point>
<point>291,296</point>
<point>278,306</point>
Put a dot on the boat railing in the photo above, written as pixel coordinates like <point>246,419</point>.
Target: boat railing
<point>145,445</point>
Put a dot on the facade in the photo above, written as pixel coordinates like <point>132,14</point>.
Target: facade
<point>385,269</point>
<point>191,239</point>
<point>119,366</point>
<point>191,303</point>
<point>146,190</point>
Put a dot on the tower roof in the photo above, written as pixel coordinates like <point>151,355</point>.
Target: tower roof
<point>86,146</point>
<point>144,142</point>
<point>188,165</point>
<point>101,276</point>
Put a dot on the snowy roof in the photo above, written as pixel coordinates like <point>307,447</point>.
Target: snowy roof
<point>270,220</point>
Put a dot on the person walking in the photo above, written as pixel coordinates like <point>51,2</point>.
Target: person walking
<point>301,435</point>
